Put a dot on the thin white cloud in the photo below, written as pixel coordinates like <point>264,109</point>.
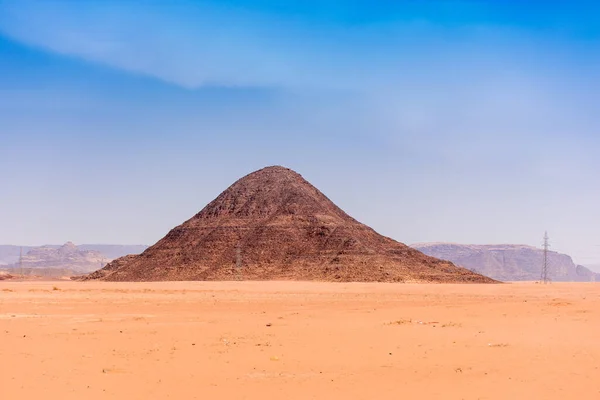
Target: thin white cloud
<point>195,45</point>
<point>190,46</point>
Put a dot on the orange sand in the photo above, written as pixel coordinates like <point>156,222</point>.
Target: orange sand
<point>289,340</point>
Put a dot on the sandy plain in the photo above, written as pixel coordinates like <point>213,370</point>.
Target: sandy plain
<point>297,340</point>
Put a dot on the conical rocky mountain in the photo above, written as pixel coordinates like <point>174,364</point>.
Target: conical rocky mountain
<point>274,225</point>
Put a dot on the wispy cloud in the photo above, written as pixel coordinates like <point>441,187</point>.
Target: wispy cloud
<point>197,44</point>
<point>465,91</point>
<point>186,45</point>
<point>417,77</point>
<point>193,44</point>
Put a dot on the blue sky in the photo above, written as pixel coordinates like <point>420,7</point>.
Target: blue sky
<point>461,121</point>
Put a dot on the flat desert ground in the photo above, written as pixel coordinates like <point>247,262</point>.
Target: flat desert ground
<point>298,340</point>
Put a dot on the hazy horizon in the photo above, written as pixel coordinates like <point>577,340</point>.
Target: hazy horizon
<point>437,121</point>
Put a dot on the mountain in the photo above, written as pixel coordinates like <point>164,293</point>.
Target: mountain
<point>112,251</point>
<point>274,225</point>
<point>67,256</point>
<point>509,262</point>
<point>9,254</point>
<point>594,267</point>
<point>68,259</point>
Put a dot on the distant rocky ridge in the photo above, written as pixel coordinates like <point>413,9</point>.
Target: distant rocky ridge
<point>113,251</point>
<point>593,267</point>
<point>67,259</point>
<point>509,262</point>
<point>9,254</point>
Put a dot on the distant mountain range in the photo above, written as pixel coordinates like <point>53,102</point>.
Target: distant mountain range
<point>506,262</point>
<point>63,259</point>
<point>509,262</point>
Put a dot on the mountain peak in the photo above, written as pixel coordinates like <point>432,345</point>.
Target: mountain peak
<point>273,224</point>
<point>68,247</point>
<point>271,192</point>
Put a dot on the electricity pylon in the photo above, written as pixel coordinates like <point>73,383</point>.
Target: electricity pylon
<point>238,262</point>
<point>545,278</point>
<point>21,262</point>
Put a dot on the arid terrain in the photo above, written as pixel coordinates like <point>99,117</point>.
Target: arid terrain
<point>298,340</point>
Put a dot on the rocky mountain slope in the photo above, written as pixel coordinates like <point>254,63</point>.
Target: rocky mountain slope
<point>509,262</point>
<point>274,225</point>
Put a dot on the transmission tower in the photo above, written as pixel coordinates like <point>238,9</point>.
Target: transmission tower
<point>545,278</point>
<point>21,262</point>
<point>238,262</point>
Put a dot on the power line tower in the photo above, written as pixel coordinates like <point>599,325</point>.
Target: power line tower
<point>545,278</point>
<point>21,261</point>
<point>238,262</point>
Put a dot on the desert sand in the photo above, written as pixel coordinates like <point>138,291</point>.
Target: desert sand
<point>296,340</point>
